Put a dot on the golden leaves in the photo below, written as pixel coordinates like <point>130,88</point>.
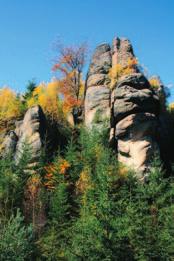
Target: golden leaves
<point>154,82</point>
<point>84,182</point>
<point>47,96</point>
<point>119,70</point>
<point>9,104</point>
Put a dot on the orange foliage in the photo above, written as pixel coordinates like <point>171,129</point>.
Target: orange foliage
<point>132,62</point>
<point>70,99</point>
<point>55,99</point>
<point>70,64</point>
<point>53,170</point>
<point>63,166</point>
<point>34,185</point>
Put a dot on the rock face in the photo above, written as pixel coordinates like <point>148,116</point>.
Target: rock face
<point>136,140</point>
<point>133,94</point>
<point>30,135</point>
<point>132,106</point>
<point>121,51</point>
<point>135,108</point>
<point>30,131</point>
<point>9,144</point>
<point>97,101</point>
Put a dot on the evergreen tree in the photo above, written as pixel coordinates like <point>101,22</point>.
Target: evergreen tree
<point>15,240</point>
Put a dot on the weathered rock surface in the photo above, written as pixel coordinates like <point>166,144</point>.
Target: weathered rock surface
<point>122,51</point>
<point>97,99</point>
<point>29,132</point>
<point>135,108</point>
<point>136,140</point>
<point>9,143</point>
<point>29,136</point>
<point>132,106</point>
<point>32,132</point>
<point>133,94</point>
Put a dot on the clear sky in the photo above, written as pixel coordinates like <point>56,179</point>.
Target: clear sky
<point>28,29</point>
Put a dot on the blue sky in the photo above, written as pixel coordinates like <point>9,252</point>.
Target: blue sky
<point>28,30</point>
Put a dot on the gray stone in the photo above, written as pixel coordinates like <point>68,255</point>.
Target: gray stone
<point>9,144</point>
<point>97,98</point>
<point>131,107</point>
<point>97,105</point>
<point>136,141</point>
<point>31,132</point>
<point>134,95</point>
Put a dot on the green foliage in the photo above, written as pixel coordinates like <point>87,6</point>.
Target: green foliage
<point>31,86</point>
<point>99,119</point>
<point>59,198</point>
<point>96,210</point>
<point>12,181</point>
<point>53,242</point>
<point>15,240</point>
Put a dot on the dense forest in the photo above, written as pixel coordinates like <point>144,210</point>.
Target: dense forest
<point>74,199</point>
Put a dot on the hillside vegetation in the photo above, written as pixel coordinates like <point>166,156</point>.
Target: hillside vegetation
<point>64,192</point>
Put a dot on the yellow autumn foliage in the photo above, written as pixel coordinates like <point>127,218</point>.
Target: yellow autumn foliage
<point>84,182</point>
<point>119,70</point>
<point>122,171</point>
<point>114,73</point>
<point>154,82</point>
<point>48,97</point>
<point>171,107</point>
<point>10,105</point>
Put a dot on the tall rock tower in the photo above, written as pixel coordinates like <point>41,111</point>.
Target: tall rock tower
<point>131,106</point>
<point>97,100</point>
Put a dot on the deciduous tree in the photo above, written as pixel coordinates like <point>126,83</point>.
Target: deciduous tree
<point>69,64</point>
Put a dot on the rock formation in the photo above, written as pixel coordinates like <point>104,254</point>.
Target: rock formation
<point>29,137</point>
<point>135,108</point>
<point>132,106</point>
<point>30,131</point>
<point>128,106</point>
<point>97,101</point>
